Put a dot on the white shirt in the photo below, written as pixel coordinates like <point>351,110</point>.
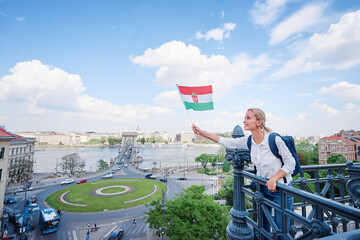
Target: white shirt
<point>265,161</point>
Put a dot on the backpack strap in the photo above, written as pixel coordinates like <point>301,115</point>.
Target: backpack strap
<point>249,147</point>
<point>249,142</point>
<point>275,150</point>
<point>272,144</point>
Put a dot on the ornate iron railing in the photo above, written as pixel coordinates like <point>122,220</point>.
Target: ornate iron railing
<point>320,210</point>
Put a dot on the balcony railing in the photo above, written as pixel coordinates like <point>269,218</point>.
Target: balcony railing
<point>323,206</point>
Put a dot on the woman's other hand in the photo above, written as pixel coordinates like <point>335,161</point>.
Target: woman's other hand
<point>271,184</point>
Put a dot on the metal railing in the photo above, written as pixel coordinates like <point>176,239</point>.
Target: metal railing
<point>323,206</point>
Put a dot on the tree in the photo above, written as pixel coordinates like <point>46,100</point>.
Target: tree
<point>102,164</point>
<point>226,166</point>
<point>336,159</point>
<point>204,159</point>
<point>142,140</point>
<point>190,215</point>
<point>72,162</point>
<point>113,141</point>
<point>305,146</point>
<point>214,159</point>
<point>302,159</point>
<point>227,190</point>
<point>221,153</point>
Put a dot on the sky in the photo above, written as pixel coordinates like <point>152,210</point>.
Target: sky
<point>113,66</point>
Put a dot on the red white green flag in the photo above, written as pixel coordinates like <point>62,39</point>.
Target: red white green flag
<point>197,98</point>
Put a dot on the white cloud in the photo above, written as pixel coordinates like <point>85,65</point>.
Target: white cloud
<point>303,95</point>
<point>21,19</point>
<point>352,108</point>
<point>302,116</point>
<point>217,34</point>
<point>301,20</point>
<point>222,14</point>
<point>168,98</point>
<point>324,108</point>
<point>267,12</point>
<point>338,48</point>
<point>41,88</point>
<point>224,112</point>
<point>343,90</point>
<point>185,65</point>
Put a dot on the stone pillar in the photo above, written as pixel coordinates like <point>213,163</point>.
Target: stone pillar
<point>238,228</point>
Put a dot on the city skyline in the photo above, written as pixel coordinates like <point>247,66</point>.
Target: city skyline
<point>110,67</point>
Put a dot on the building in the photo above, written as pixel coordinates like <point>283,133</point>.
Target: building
<point>5,139</point>
<point>190,137</point>
<point>21,158</point>
<point>340,143</point>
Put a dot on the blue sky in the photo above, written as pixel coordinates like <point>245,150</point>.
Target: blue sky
<point>110,66</point>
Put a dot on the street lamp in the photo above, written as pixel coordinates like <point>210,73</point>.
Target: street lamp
<point>163,210</point>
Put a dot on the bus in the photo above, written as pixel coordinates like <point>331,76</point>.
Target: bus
<point>49,220</point>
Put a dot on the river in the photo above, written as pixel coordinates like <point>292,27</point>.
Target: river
<point>165,155</point>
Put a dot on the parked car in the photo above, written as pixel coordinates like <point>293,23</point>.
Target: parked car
<point>107,176</point>
<point>116,234</point>
<point>33,199</point>
<point>10,200</point>
<point>67,181</point>
<point>81,181</point>
<point>182,178</point>
<point>19,190</point>
<point>164,179</point>
<point>150,176</point>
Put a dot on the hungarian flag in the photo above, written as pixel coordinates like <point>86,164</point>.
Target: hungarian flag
<point>197,98</point>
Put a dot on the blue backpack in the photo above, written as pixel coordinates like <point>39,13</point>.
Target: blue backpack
<point>290,144</point>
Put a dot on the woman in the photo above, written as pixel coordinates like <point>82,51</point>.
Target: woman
<point>268,166</point>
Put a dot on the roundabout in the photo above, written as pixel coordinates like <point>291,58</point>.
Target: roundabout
<point>106,195</point>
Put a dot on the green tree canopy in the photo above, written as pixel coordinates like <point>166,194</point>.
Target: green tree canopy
<point>204,159</point>
<point>190,215</point>
<point>113,140</point>
<point>102,164</point>
<point>227,189</point>
<point>226,166</point>
<point>303,159</point>
<point>336,159</point>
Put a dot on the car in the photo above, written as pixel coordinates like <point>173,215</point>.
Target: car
<point>116,234</point>
<point>113,171</point>
<point>33,199</point>
<point>150,176</point>
<point>164,179</point>
<point>125,165</point>
<point>182,178</point>
<point>107,176</point>
<point>19,190</point>
<point>67,181</point>
<point>10,200</point>
<point>81,181</point>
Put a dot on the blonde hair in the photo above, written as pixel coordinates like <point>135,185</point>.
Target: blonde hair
<point>260,115</point>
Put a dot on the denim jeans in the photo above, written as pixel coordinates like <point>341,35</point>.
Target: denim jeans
<point>276,198</point>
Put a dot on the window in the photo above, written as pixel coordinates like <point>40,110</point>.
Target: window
<point>1,174</point>
<point>2,153</point>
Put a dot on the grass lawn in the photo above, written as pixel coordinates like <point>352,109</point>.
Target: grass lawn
<point>80,193</point>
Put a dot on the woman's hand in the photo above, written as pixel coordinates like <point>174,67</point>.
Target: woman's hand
<point>196,130</point>
<point>271,185</point>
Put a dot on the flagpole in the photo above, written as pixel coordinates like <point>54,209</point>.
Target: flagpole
<point>184,105</point>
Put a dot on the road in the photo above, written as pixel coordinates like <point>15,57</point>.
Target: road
<point>74,226</point>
